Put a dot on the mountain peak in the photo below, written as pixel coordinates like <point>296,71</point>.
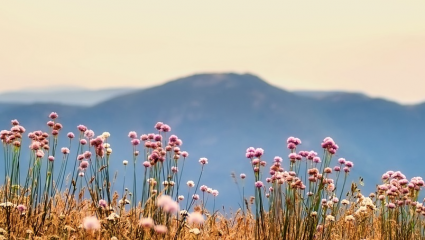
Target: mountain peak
<point>223,80</point>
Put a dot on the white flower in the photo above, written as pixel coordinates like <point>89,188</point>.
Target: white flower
<point>330,218</point>
<point>195,231</point>
<point>349,218</point>
<point>190,184</point>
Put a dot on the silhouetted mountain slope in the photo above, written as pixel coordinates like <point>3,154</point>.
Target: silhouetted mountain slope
<point>218,116</point>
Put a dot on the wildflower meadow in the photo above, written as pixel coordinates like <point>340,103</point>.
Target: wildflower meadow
<point>303,194</point>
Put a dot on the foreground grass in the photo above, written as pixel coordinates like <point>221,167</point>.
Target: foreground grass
<point>302,197</point>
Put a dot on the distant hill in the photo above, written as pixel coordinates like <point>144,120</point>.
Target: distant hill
<point>327,94</point>
<point>218,116</point>
<point>62,95</point>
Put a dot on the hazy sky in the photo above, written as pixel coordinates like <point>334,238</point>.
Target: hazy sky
<point>376,47</point>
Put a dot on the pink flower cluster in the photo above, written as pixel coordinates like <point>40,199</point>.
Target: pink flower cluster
<point>154,145</point>
<point>346,168</point>
<point>293,142</point>
<point>167,204</point>
<point>398,190</point>
<point>329,144</point>
<point>254,152</point>
<point>14,136</point>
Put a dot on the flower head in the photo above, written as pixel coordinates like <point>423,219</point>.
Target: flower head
<point>259,184</point>
<point>196,218</point>
<point>146,222</point>
<point>132,134</point>
<point>203,161</point>
<point>53,115</point>
<point>190,183</point>
<point>91,223</point>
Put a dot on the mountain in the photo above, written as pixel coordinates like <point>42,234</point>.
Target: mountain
<point>62,95</point>
<point>327,94</point>
<point>218,116</point>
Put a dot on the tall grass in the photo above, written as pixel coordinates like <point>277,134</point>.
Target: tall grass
<point>304,196</point>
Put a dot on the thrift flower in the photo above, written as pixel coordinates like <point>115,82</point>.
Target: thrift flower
<point>196,218</point>
<point>91,223</point>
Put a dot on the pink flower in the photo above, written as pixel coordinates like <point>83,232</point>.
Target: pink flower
<point>259,152</point>
<point>81,128</point>
<point>89,134</point>
<point>277,159</point>
<point>146,222</point>
<point>291,146</point>
<point>311,155</point>
<point>349,164</point>
<point>146,164</point>
<point>165,128</point>
<point>168,204</point>
<point>172,139</point>
<point>195,196</point>
<point>50,123</point>
<point>21,208</point>
<point>255,161</point>
<point>15,122</point>
<point>292,157</point>
<point>87,154</point>
<point>35,146</point>
<point>158,125</point>
<point>242,176</point>
<point>65,150</point>
<point>203,161</point>
<point>91,223</point>
<point>303,153</point>
<point>203,188</point>
<point>103,203</point>
<point>391,205</point>
<point>259,184</point>
<point>57,126</point>
<point>51,158</point>
<point>135,142</point>
<point>144,137</point>
<point>132,134</point>
<point>215,193</point>
<point>196,218</point>
<point>70,135</point>
<point>53,115</point>
<point>157,137</point>
<point>161,229</point>
<point>83,141</point>
<point>39,154</point>
<point>163,200</point>
<point>84,164</point>
<point>185,154</point>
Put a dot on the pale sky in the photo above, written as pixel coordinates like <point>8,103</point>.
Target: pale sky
<point>375,47</point>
